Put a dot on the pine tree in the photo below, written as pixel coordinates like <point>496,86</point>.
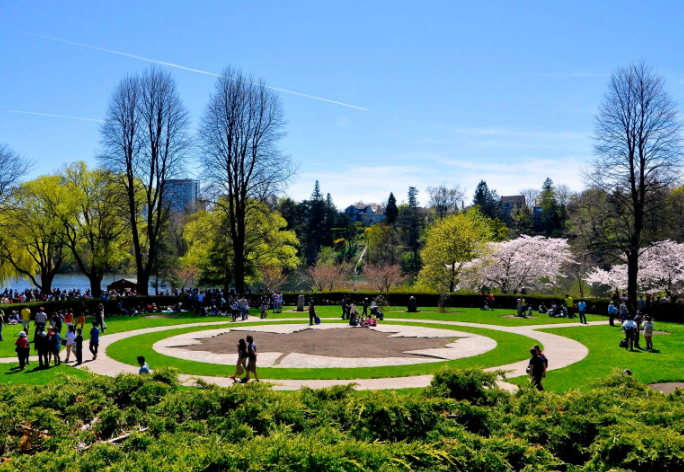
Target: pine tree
<point>488,200</point>
<point>315,225</point>
<point>391,212</point>
<point>549,205</point>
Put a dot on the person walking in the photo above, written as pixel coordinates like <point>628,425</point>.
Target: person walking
<point>241,366</point>
<point>536,369</point>
<point>80,320</point>
<point>70,341</point>
<point>22,349</point>
<point>629,326</point>
<point>365,306</point>
<point>94,339</point>
<point>312,313</point>
<point>612,313</point>
<point>26,318</point>
<point>101,318</point>
<point>69,319</point>
<point>648,333</point>
<point>41,343</point>
<point>78,348</point>
<point>144,368</point>
<point>490,300</point>
<point>582,308</point>
<point>251,359</point>
<point>2,323</point>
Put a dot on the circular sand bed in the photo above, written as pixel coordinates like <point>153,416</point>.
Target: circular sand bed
<point>330,345</point>
<point>351,343</point>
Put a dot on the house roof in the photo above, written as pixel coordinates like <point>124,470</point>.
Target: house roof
<point>513,199</point>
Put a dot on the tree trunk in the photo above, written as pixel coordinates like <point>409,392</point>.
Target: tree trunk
<point>632,273</point>
<point>46,282</point>
<point>239,246</point>
<point>143,283</point>
<point>95,285</point>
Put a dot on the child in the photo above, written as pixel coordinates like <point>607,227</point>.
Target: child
<point>78,349</point>
<point>648,333</point>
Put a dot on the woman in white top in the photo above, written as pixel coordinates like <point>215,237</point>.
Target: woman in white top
<point>648,333</point>
<point>70,340</point>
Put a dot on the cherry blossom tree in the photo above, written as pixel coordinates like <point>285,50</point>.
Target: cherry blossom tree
<point>383,276</point>
<point>526,262</point>
<point>273,277</point>
<point>661,268</point>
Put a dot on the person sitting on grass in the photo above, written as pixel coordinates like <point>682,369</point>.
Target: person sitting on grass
<point>144,368</point>
<point>354,320</point>
<point>543,309</point>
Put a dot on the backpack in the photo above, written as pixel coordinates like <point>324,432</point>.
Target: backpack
<point>623,343</point>
<point>318,320</point>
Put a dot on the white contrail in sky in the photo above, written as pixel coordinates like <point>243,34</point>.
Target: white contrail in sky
<point>178,66</point>
<point>56,116</point>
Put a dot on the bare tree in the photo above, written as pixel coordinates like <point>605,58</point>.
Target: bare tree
<point>638,157</point>
<point>531,196</point>
<point>444,199</point>
<point>13,168</point>
<point>145,140</point>
<point>273,277</point>
<point>383,276</point>
<point>239,137</point>
<point>326,276</point>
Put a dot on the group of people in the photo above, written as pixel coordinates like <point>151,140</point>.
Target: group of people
<point>633,326</point>
<point>35,294</point>
<point>349,308</point>
<point>486,301</point>
<point>47,335</point>
<point>246,361</point>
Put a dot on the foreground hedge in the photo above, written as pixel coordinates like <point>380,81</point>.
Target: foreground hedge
<point>461,423</point>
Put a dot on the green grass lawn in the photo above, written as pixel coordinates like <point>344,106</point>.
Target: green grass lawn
<point>605,355</point>
<point>32,375</point>
<point>115,324</point>
<point>510,348</point>
<point>471,315</point>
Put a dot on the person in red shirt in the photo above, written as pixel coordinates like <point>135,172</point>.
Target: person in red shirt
<point>69,319</point>
<point>22,350</point>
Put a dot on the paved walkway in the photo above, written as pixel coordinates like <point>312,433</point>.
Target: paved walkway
<point>562,352</point>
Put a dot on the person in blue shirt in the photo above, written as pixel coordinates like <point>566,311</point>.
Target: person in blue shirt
<point>582,307</point>
<point>612,312</point>
<point>94,339</point>
<point>144,368</point>
<point>55,346</point>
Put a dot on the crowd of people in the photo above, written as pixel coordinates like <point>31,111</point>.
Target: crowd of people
<point>48,339</point>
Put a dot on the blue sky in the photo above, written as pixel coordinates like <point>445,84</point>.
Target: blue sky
<point>456,92</point>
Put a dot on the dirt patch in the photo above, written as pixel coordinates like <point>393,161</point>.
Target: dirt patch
<point>667,387</point>
<point>531,317</point>
<point>351,343</point>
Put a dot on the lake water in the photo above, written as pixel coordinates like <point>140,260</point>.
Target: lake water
<point>70,281</point>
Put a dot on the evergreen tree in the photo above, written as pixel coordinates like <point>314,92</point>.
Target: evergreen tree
<point>488,200</point>
<point>411,227</point>
<point>315,225</point>
<point>391,212</point>
<point>549,205</point>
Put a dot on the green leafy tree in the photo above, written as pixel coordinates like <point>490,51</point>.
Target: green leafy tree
<point>210,247</point>
<point>450,243</point>
<point>31,232</point>
<point>93,228</point>
<point>549,205</point>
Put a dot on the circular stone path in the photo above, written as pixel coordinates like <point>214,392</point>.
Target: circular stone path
<point>330,345</point>
<point>563,352</point>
